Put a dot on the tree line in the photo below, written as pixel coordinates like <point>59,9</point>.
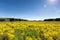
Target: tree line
<point>15,19</point>
<point>12,19</point>
<point>56,19</point>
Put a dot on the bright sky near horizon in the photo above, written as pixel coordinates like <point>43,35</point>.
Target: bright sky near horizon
<point>30,9</point>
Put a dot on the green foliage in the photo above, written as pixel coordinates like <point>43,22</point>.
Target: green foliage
<point>30,32</point>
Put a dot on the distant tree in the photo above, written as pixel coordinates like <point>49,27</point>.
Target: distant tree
<point>1,19</point>
<point>57,19</point>
<point>7,19</point>
<point>11,19</point>
<point>48,20</point>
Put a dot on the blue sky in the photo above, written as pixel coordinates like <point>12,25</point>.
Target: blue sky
<point>29,9</point>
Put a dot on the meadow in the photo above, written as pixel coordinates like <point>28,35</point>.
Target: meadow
<point>29,30</point>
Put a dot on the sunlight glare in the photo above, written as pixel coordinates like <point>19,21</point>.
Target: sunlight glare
<point>52,1</point>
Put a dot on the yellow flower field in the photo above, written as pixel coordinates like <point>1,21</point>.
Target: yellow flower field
<point>29,30</point>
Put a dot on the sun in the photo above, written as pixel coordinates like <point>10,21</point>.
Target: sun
<point>52,1</point>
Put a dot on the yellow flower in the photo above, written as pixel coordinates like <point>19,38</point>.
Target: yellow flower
<point>1,33</point>
<point>10,35</point>
<point>23,34</point>
<point>29,38</point>
<point>50,38</point>
<point>54,33</point>
<point>46,35</point>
